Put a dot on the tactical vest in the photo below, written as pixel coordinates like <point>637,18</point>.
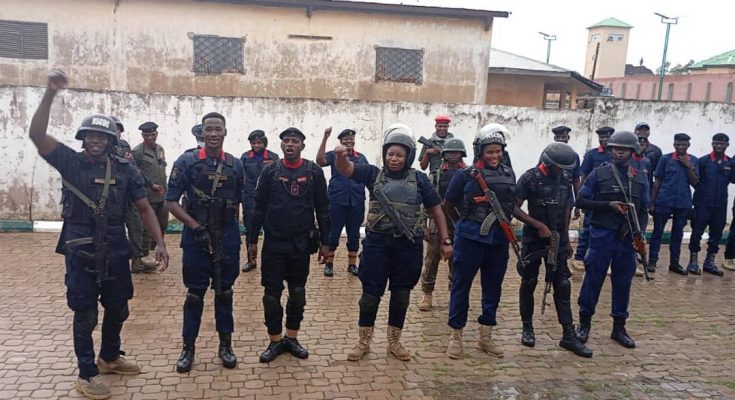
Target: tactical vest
<point>290,208</point>
<point>502,181</point>
<point>405,197</point>
<point>253,169</point>
<point>609,190</point>
<point>90,180</point>
<point>544,203</point>
<point>445,177</point>
<point>203,177</point>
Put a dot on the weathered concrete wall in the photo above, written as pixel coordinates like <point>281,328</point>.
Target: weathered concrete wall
<point>143,46</point>
<point>29,188</point>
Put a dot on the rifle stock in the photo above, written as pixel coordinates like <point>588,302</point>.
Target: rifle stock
<point>639,241</point>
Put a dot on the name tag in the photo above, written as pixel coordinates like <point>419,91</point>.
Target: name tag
<point>222,178</point>
<point>101,181</point>
<point>301,179</point>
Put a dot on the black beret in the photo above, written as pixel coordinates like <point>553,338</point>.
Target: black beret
<point>560,130</point>
<point>681,136</point>
<point>605,130</point>
<point>346,132</point>
<point>292,132</point>
<point>197,131</point>
<point>641,125</point>
<point>721,137</point>
<point>148,127</point>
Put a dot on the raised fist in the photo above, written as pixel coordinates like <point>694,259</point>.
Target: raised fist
<point>56,80</point>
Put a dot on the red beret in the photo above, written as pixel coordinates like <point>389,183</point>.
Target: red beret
<point>442,119</point>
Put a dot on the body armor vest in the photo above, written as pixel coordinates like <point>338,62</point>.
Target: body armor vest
<point>609,190</point>
<point>445,177</point>
<point>226,195</point>
<point>253,168</point>
<point>405,197</point>
<point>290,210</point>
<point>545,203</point>
<point>500,180</point>
<point>90,180</point>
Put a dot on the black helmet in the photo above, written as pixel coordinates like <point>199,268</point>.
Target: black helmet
<point>197,131</point>
<point>489,134</point>
<point>561,155</point>
<point>624,139</point>
<point>258,134</point>
<point>118,123</point>
<point>402,135</point>
<point>454,145</point>
<point>98,123</point>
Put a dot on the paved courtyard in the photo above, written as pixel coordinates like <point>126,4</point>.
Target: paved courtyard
<point>684,328</point>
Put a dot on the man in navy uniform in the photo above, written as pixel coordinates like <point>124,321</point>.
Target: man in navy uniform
<point>97,190</point>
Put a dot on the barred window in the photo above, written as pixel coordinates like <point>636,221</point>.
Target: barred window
<point>399,65</point>
<point>214,55</point>
<point>26,40</point>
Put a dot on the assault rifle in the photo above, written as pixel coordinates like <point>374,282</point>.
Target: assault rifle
<point>428,143</point>
<point>392,213</point>
<point>639,241</point>
<point>551,262</point>
<point>497,214</point>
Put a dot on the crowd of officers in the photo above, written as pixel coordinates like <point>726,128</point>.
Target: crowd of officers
<point>461,210</point>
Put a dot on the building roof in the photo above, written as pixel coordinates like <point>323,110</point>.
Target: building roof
<point>633,70</point>
<point>614,22</point>
<point>503,62</point>
<point>367,7</point>
<point>726,59</point>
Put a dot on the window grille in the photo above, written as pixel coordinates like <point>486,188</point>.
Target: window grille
<point>214,55</point>
<point>399,65</point>
<point>25,40</point>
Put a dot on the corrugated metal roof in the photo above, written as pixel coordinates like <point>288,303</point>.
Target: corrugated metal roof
<point>720,60</point>
<point>611,22</point>
<point>504,59</point>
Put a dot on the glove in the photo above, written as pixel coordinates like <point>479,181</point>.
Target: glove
<point>201,236</point>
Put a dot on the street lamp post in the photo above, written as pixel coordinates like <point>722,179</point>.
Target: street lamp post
<point>548,38</point>
<point>668,21</point>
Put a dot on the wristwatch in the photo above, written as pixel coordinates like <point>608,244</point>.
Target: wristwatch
<point>447,241</point>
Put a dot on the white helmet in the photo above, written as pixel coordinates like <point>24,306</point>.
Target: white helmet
<point>488,134</point>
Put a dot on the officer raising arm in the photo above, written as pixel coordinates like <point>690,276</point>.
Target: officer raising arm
<point>97,190</point>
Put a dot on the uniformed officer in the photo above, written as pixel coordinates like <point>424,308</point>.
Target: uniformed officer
<point>561,135</point>
<point>151,160</point>
<point>671,198</point>
<point>431,157</point>
<point>289,196</point>
<point>504,132</point>
<point>212,181</point>
<point>710,204</point>
<point>346,201</point>
<point>452,155</point>
<point>97,189</point>
<point>475,249</point>
<point>592,159</point>
<point>198,133</point>
<point>548,189</point>
<point>604,195</point>
<point>393,246</point>
<point>648,149</point>
<point>253,161</point>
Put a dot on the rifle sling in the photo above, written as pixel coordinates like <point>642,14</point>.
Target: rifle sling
<point>99,207</point>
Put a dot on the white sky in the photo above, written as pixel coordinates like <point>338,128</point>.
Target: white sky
<point>704,28</point>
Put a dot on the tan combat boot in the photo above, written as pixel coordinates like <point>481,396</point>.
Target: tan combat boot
<point>729,264</point>
<point>486,343</point>
<point>454,349</point>
<point>363,343</point>
<point>577,265</point>
<point>425,304</point>
<point>121,366</point>
<point>137,266</point>
<point>149,261</point>
<point>394,344</point>
<point>93,388</point>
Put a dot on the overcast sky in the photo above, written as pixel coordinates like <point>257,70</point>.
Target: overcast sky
<point>704,29</point>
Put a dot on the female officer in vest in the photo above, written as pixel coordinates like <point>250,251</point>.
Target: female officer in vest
<point>393,247</point>
<point>346,201</point>
<point>475,249</point>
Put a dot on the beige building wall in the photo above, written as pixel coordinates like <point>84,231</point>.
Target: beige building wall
<point>515,90</point>
<point>612,55</point>
<point>144,46</point>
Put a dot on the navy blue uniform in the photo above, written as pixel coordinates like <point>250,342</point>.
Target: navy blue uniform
<point>653,153</point>
<point>474,251</point>
<point>253,164</point>
<point>82,291</point>
<point>288,198</point>
<point>346,204</point>
<point>710,201</point>
<point>194,174</point>
<point>388,257</point>
<point>593,158</point>
<point>610,242</point>
<point>673,200</point>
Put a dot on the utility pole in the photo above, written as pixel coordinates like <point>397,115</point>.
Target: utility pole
<point>594,64</point>
<point>668,21</point>
<point>548,38</point>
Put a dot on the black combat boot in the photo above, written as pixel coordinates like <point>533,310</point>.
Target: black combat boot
<point>294,347</point>
<point>527,336</point>
<point>186,359</point>
<point>274,350</point>
<point>228,357</point>
<point>329,269</point>
<point>249,266</point>
<point>571,342</point>
<point>620,335</point>
<point>352,269</point>
<point>583,330</point>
